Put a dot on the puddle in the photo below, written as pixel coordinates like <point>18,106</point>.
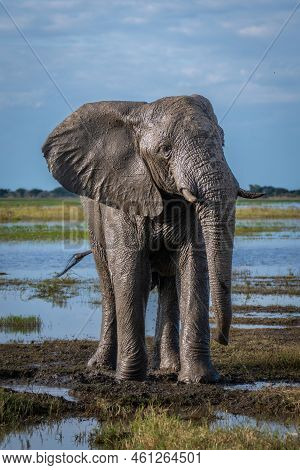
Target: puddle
<point>67,434</point>
<point>261,385</point>
<point>53,391</point>
<point>229,421</point>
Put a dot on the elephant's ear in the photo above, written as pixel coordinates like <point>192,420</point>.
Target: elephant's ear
<point>92,153</point>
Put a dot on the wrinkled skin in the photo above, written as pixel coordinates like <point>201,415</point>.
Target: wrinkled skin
<point>159,198</point>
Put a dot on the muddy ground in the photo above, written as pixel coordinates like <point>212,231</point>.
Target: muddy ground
<point>253,355</point>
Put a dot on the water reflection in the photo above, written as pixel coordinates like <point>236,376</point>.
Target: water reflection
<point>230,421</point>
<point>67,434</point>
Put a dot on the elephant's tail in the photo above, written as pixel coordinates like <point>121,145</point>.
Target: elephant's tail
<point>76,258</point>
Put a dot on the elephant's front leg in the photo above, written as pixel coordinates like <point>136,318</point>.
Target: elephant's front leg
<point>131,281</point>
<point>193,293</point>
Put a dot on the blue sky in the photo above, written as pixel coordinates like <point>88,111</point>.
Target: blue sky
<point>143,50</point>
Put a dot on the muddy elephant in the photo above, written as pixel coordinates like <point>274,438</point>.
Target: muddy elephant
<point>159,198</point>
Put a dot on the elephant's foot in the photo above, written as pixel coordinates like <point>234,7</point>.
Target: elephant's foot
<point>128,369</point>
<point>104,358</point>
<point>170,364</point>
<point>167,363</point>
<point>198,372</point>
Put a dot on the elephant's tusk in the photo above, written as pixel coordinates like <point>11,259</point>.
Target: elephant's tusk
<point>188,195</point>
<point>249,194</point>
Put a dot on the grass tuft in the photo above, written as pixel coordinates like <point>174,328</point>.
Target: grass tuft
<point>16,407</point>
<point>154,428</point>
<point>17,323</point>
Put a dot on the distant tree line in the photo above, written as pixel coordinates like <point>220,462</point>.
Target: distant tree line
<point>271,191</point>
<point>36,193</point>
<point>62,192</point>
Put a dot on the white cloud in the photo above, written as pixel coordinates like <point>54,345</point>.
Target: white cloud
<point>51,5</point>
<point>134,20</point>
<point>23,21</point>
<point>64,21</point>
<point>31,99</point>
<point>263,94</point>
<point>256,31</point>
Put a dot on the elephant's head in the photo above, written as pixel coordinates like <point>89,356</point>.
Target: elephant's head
<point>127,154</point>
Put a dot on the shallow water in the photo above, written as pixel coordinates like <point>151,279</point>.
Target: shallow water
<point>261,385</point>
<point>261,256</point>
<point>248,326</point>
<point>266,256</point>
<point>40,389</point>
<point>230,421</point>
<point>67,434</point>
<point>265,300</point>
<point>79,317</point>
<point>39,260</point>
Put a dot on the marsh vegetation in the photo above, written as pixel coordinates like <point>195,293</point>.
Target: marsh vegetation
<point>17,323</point>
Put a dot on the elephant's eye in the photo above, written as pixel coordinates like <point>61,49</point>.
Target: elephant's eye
<point>165,150</point>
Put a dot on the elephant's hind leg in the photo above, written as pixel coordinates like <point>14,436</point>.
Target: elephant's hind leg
<point>106,355</point>
<point>166,342</point>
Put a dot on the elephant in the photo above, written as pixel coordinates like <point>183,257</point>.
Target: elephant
<point>159,199</point>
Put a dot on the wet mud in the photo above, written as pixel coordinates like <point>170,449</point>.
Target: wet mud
<point>254,355</point>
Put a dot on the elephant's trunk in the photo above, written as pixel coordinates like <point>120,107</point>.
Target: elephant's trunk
<point>218,231</point>
<point>205,179</point>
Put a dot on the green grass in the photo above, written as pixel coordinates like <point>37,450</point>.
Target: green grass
<point>263,289</point>
<point>14,210</point>
<point>257,212</point>
<point>263,201</point>
<point>17,323</point>
<point>154,428</point>
<point>42,232</point>
<point>38,202</point>
<point>266,229</point>
<point>256,355</point>
<point>266,285</point>
<point>284,309</point>
<point>15,407</point>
